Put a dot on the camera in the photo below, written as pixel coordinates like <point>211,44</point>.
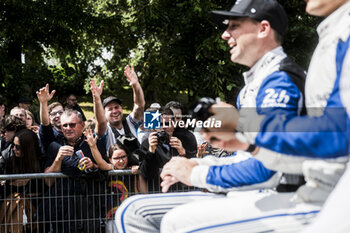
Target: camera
<point>163,138</point>
<point>200,111</point>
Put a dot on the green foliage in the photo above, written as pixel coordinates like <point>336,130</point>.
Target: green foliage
<point>175,48</point>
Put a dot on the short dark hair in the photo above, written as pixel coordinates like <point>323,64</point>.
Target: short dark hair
<point>70,112</point>
<point>13,123</point>
<point>167,111</point>
<point>71,94</point>
<point>53,105</point>
<point>174,104</point>
<point>113,148</point>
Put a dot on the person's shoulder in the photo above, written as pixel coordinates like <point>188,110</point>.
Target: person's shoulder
<point>283,79</point>
<point>7,153</point>
<point>131,119</point>
<point>45,127</point>
<point>55,145</point>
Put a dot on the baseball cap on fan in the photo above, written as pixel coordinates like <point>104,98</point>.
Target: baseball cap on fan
<point>258,10</point>
<point>110,99</point>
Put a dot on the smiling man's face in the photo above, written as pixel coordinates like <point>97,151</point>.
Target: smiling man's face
<point>114,113</point>
<point>72,127</point>
<point>241,35</point>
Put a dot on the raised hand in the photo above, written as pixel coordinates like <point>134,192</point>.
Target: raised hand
<point>131,75</point>
<point>44,94</point>
<point>90,139</point>
<point>96,91</point>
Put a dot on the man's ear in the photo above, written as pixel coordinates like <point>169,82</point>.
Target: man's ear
<point>264,29</point>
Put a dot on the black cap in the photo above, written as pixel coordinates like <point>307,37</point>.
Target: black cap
<point>110,99</point>
<point>258,10</point>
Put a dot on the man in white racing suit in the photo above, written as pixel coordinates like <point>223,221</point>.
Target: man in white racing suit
<point>323,133</point>
<point>143,213</point>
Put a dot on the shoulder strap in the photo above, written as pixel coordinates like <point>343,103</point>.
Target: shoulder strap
<point>126,130</point>
<point>115,132</point>
<point>297,74</point>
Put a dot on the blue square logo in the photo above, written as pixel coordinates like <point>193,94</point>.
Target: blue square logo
<point>151,120</point>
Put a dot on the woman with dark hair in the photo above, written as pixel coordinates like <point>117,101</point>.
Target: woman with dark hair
<point>25,156</point>
<point>24,159</point>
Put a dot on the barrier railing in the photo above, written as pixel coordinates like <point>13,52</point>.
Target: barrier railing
<point>54,203</point>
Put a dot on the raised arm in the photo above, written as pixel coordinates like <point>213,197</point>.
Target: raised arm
<point>91,140</point>
<point>101,122</point>
<point>44,96</point>
<point>139,99</point>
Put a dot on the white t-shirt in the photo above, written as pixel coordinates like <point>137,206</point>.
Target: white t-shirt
<point>110,138</point>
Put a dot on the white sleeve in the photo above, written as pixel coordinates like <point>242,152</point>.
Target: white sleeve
<point>211,160</point>
<point>289,163</point>
<point>280,162</point>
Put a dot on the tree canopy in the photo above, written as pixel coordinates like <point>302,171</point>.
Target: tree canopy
<point>175,47</point>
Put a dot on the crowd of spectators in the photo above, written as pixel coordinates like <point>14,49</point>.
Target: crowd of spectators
<point>84,149</point>
<point>65,141</point>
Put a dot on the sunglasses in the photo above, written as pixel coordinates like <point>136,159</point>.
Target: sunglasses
<point>17,147</point>
<point>71,125</point>
<point>121,157</point>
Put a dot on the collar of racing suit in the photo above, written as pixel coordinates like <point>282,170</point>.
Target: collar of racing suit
<point>266,60</point>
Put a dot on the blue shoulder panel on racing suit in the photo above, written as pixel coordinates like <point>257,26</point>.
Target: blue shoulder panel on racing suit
<point>276,92</point>
<point>247,172</point>
<point>324,136</point>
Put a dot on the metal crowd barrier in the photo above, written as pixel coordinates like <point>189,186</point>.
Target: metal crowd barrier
<point>81,204</point>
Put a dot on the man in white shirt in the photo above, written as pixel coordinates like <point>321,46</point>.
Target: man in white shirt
<point>109,114</point>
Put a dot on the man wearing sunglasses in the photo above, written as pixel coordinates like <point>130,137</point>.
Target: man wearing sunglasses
<point>72,154</point>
